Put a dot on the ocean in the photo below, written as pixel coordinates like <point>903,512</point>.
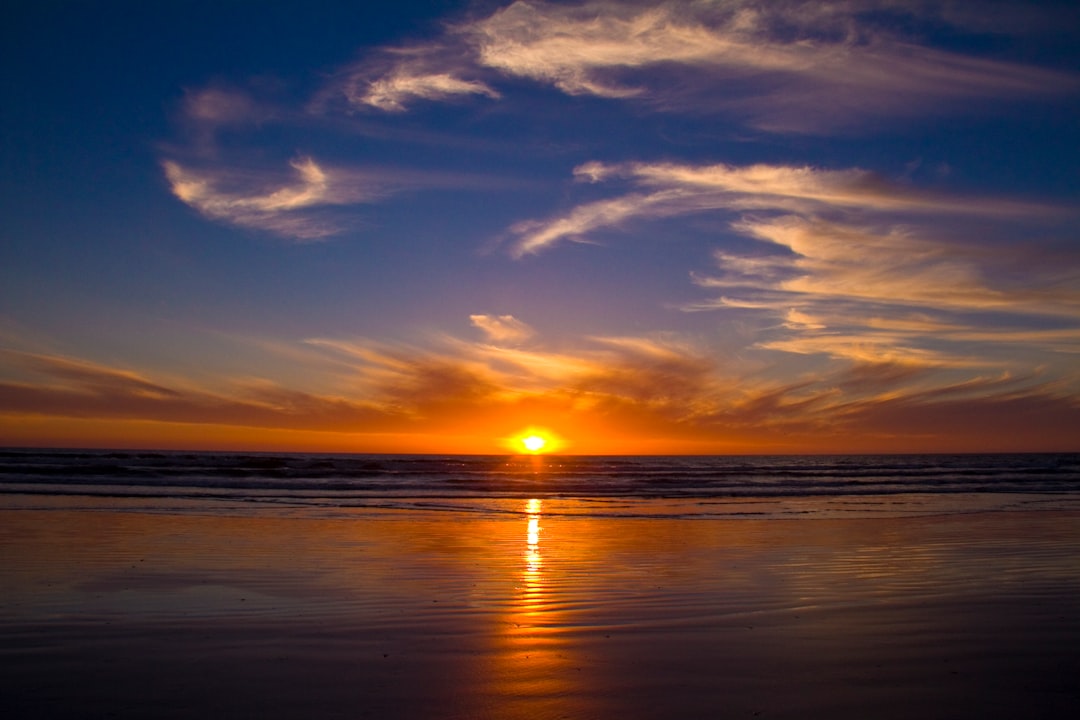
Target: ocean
<point>286,586</point>
<point>687,486</point>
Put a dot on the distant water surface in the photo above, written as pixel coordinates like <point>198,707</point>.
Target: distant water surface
<point>711,486</point>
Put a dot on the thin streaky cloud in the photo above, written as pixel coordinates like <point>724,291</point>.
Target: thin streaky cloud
<point>836,63</point>
<point>833,260</point>
<point>781,67</point>
<point>536,235</point>
<point>852,292</point>
<point>852,187</point>
<point>679,189</point>
<point>392,79</point>
<point>247,200</point>
<point>392,92</point>
<point>831,284</point>
<point>77,373</point>
<point>830,260</point>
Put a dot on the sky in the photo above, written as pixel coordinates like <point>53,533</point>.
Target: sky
<point>716,226</point>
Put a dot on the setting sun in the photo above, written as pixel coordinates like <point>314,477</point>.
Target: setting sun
<point>534,443</point>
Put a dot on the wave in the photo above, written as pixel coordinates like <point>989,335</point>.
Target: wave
<point>336,476</point>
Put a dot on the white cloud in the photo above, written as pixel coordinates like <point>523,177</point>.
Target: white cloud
<point>679,189</point>
<point>393,91</point>
<point>797,66</point>
<point>502,328</point>
<point>870,295</point>
<point>394,78</point>
<point>786,66</point>
<point>800,187</point>
<point>897,267</point>
<point>251,201</point>
<point>536,235</point>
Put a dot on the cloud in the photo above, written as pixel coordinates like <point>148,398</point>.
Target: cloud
<point>502,328</point>
<point>535,235</point>
<point>847,264</point>
<point>680,189</point>
<point>391,92</point>
<point>82,375</point>
<point>795,66</point>
<point>219,106</point>
<point>915,425</point>
<point>892,294</point>
<point>399,76</point>
<point>792,187</point>
<point>785,66</point>
<point>885,277</point>
<point>837,261</point>
<point>283,208</point>
<point>76,388</point>
<point>305,198</point>
<point>662,392</point>
<point>210,116</point>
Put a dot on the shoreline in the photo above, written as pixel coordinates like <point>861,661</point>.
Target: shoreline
<point>403,614</point>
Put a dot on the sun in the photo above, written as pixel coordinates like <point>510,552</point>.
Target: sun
<point>534,443</point>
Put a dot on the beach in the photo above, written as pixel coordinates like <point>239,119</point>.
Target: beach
<point>125,609</point>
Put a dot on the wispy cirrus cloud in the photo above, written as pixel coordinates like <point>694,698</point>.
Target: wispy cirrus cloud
<point>785,66</point>
<point>286,206</point>
<point>304,198</point>
<point>673,189</point>
<point>397,77</point>
<point>802,188</point>
<point>856,292</point>
<point>77,388</point>
<point>838,260</point>
<point>536,235</point>
<point>845,262</point>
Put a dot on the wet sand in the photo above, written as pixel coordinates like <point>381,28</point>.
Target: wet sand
<point>536,614</point>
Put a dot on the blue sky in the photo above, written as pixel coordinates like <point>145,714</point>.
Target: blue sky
<point>721,226</point>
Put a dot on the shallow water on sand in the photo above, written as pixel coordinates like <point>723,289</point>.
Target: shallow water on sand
<point>547,610</point>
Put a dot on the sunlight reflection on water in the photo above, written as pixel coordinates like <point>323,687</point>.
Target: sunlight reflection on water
<point>545,610</point>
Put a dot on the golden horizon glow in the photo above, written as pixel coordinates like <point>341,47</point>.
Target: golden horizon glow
<point>590,436</point>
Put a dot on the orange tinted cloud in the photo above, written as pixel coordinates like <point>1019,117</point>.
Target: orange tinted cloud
<point>611,395</point>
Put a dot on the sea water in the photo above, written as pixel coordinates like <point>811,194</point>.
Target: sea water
<point>690,486</point>
<point>282,586</point>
